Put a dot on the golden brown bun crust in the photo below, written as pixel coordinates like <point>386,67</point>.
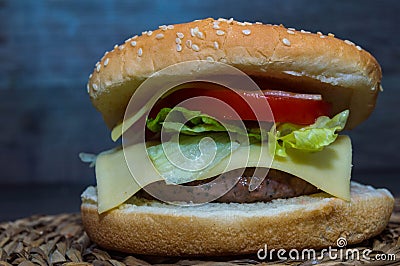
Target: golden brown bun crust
<point>342,72</point>
<point>220,229</point>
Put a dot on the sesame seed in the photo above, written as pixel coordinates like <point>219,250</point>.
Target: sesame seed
<point>216,25</point>
<point>200,35</point>
<point>163,27</point>
<point>216,45</point>
<point>144,32</point>
<point>87,88</point>
<point>248,23</point>
<point>304,31</point>
<point>90,76</point>
<point>178,47</point>
<point>189,43</point>
<point>195,47</point>
<point>133,43</point>
<point>134,37</point>
<point>121,47</point>
<point>210,59</point>
<point>331,34</point>
<point>140,52</point>
<point>159,36</point>
<point>246,32</point>
<point>98,67</point>
<point>258,23</point>
<point>149,33</point>
<point>322,36</point>
<point>220,32</point>
<point>319,33</point>
<point>192,32</point>
<point>170,27</point>
<point>229,21</point>
<point>221,19</point>
<point>106,53</point>
<point>358,48</point>
<point>106,62</point>
<point>290,31</point>
<point>380,88</point>
<point>286,42</point>
<point>241,23</point>
<point>349,42</point>
<point>116,46</point>
<point>95,88</point>
<point>180,35</point>
<point>178,41</point>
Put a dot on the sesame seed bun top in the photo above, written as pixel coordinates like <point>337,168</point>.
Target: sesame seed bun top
<point>286,59</point>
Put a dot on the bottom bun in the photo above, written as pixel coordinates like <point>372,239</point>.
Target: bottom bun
<point>314,221</point>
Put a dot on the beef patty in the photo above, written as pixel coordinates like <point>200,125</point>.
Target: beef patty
<point>277,184</point>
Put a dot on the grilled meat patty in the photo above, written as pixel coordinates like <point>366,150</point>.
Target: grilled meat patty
<point>276,184</point>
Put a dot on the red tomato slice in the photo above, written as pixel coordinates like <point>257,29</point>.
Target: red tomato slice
<point>302,109</point>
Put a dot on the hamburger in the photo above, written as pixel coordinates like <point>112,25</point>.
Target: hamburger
<point>298,194</point>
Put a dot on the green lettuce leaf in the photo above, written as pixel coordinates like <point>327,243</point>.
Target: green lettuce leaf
<point>310,138</point>
<point>284,135</point>
<point>192,156</point>
<point>199,124</point>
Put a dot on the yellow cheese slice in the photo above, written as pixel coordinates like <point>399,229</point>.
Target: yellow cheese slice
<point>329,170</point>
